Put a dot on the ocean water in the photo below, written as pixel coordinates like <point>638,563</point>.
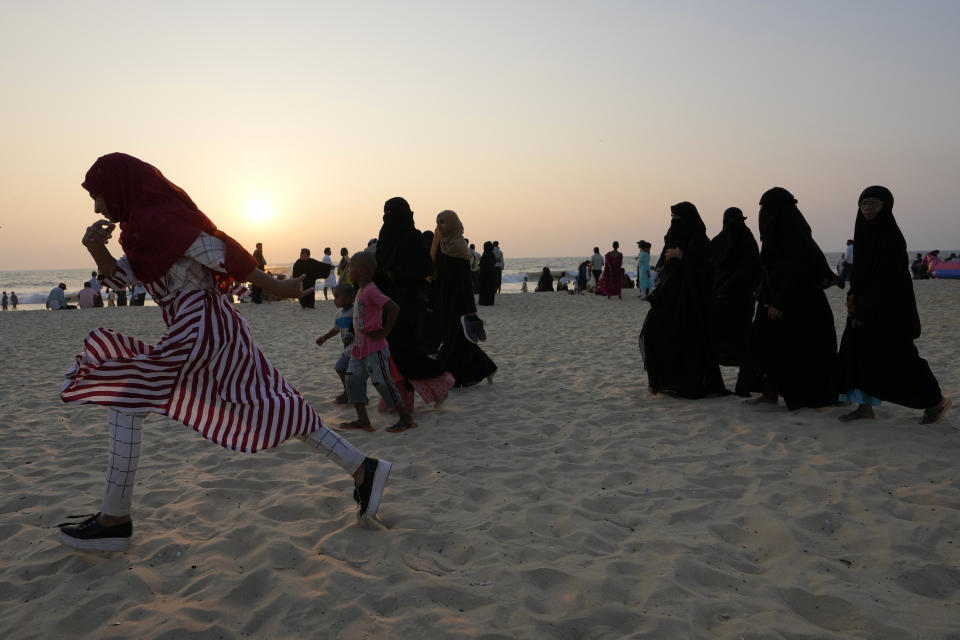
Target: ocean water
<point>32,287</point>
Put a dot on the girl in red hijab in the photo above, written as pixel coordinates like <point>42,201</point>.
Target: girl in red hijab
<point>205,371</point>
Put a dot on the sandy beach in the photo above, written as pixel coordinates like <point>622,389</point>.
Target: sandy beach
<point>562,501</point>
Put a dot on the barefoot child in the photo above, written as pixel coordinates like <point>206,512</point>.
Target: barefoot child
<point>370,354</point>
<point>343,296</point>
<point>205,371</point>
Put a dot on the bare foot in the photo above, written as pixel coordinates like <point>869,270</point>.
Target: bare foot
<point>863,412</point>
<point>760,400</point>
<point>935,414</point>
<point>354,425</point>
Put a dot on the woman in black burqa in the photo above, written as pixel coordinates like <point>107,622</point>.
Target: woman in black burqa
<point>403,265</point>
<point>545,283</point>
<point>793,342</point>
<point>878,360</point>
<point>459,355</point>
<point>736,274</point>
<point>675,340</point>
<point>487,284</point>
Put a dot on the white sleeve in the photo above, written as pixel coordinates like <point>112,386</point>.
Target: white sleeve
<point>209,251</point>
<point>123,277</point>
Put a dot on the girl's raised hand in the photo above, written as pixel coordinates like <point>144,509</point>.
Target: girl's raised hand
<point>98,234</point>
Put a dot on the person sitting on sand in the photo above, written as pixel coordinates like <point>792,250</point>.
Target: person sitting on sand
<point>56,300</point>
<point>86,298</point>
<point>545,283</point>
<point>206,371</point>
<point>373,319</point>
<point>343,296</point>
<point>878,360</point>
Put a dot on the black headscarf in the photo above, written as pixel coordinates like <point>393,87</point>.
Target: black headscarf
<point>686,227</point>
<point>735,256</point>
<point>401,253</point>
<point>789,252</point>
<point>881,285</point>
<point>397,225</point>
<point>872,237</point>
<point>545,283</point>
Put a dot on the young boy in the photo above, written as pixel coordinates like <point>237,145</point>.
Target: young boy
<point>206,371</point>
<point>343,296</point>
<point>370,354</point>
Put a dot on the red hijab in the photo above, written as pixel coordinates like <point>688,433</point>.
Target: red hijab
<point>158,220</point>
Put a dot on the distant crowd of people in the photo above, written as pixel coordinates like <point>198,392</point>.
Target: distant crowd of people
<point>95,295</point>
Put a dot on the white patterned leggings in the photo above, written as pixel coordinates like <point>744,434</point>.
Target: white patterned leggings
<point>126,437</point>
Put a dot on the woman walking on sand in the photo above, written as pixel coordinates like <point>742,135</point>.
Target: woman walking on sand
<point>205,371</point>
<point>878,360</point>
<point>793,343</point>
<point>675,339</point>
<point>610,281</point>
<point>736,274</point>
<point>403,266</point>
<point>459,353</point>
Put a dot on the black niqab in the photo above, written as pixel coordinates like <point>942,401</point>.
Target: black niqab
<point>878,355</point>
<point>403,264</point>
<point>736,274</point>
<point>794,353</point>
<point>881,285</point>
<point>675,341</point>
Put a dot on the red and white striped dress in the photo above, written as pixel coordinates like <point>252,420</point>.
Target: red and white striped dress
<point>205,372</point>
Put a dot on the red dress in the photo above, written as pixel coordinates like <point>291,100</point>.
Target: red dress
<point>205,371</point>
<point>610,280</point>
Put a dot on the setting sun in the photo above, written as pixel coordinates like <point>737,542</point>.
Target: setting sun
<point>259,210</point>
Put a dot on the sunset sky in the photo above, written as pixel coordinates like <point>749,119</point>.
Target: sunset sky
<point>550,126</point>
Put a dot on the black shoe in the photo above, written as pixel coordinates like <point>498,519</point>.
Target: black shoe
<point>473,328</point>
<point>90,534</point>
<point>368,494</point>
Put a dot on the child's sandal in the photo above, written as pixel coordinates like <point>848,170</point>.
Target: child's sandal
<point>401,427</point>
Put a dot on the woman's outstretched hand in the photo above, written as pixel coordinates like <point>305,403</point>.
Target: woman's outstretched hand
<point>98,234</point>
<point>291,288</point>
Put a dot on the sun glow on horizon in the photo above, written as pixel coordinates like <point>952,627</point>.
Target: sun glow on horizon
<point>259,210</point>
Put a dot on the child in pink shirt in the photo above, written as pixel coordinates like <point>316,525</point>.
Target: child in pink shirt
<point>370,354</point>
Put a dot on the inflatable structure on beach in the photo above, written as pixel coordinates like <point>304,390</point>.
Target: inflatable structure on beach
<point>940,269</point>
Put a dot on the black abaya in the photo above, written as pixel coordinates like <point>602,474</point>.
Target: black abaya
<point>403,264</point>
<point>878,356</point>
<point>675,339</point>
<point>795,353</point>
<point>736,274</point>
<point>487,284</point>
<point>468,363</point>
<point>310,269</point>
